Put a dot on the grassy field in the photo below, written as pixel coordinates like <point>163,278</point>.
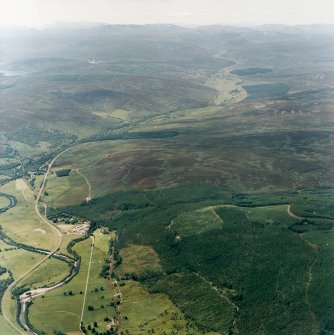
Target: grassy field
<point>228,87</point>
<point>196,222</point>
<point>49,273</point>
<point>5,328</point>
<point>4,202</point>
<point>100,290</point>
<point>4,245</point>
<point>173,135</point>
<point>21,222</point>
<point>138,259</point>
<point>62,311</point>
<point>64,190</point>
<point>67,238</point>
<point>65,311</point>
<point>271,214</point>
<point>64,308</point>
<point>143,312</point>
<point>18,261</point>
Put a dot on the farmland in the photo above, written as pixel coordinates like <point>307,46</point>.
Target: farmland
<point>68,300</point>
<point>192,188</point>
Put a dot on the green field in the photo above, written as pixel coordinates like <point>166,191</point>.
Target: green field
<point>100,290</point>
<point>4,202</point>
<point>64,190</point>
<point>49,273</point>
<point>18,262</point>
<point>143,312</point>
<point>64,308</point>
<point>66,240</point>
<point>196,222</point>
<point>207,151</point>
<point>22,224</point>
<point>62,311</point>
<point>138,259</point>
<point>6,328</point>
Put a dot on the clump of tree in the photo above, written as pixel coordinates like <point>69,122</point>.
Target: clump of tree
<point>58,332</point>
<point>63,172</point>
<point>5,283</point>
<point>33,135</point>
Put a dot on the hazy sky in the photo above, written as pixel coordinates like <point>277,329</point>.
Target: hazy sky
<point>195,12</point>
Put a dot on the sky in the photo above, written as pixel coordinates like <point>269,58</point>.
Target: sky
<point>37,13</point>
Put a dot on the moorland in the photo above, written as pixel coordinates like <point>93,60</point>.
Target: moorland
<point>167,180</point>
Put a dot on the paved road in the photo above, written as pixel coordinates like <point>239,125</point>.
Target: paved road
<point>52,252</point>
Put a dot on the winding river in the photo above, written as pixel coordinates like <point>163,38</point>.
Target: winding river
<point>26,297</point>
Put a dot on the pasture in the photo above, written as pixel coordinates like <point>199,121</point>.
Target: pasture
<point>4,202</point>
<point>49,273</point>
<point>193,159</point>
<point>62,309</point>
<point>196,222</point>
<point>18,261</point>
<point>143,311</point>
<point>21,222</point>
<point>63,305</point>
<point>138,259</point>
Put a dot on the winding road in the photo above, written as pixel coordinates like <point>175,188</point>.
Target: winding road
<point>89,196</point>
<point>26,297</point>
<point>7,295</point>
